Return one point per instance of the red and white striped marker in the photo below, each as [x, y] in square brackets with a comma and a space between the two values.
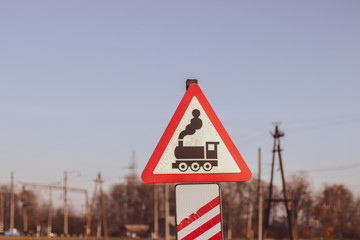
[198, 211]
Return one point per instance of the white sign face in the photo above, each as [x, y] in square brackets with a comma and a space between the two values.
[198, 211]
[196, 147]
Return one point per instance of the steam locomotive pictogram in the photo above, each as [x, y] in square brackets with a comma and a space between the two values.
[195, 157]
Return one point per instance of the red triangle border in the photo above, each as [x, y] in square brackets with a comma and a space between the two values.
[149, 177]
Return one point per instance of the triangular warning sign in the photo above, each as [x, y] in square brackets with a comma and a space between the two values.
[195, 147]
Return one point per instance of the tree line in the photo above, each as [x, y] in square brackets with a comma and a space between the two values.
[333, 212]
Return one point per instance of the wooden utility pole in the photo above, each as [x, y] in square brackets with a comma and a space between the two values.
[25, 205]
[250, 214]
[99, 182]
[98, 229]
[287, 202]
[12, 203]
[49, 228]
[1, 212]
[103, 213]
[50, 188]
[156, 212]
[260, 198]
[89, 215]
[66, 232]
[167, 229]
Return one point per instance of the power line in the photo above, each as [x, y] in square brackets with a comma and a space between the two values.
[328, 124]
[322, 119]
[339, 168]
[318, 123]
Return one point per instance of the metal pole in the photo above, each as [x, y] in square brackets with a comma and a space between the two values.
[65, 205]
[167, 230]
[156, 212]
[190, 81]
[12, 204]
[260, 192]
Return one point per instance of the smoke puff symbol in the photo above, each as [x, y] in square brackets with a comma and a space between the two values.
[195, 124]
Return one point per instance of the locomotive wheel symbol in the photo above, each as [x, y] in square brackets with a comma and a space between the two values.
[195, 166]
[183, 167]
[207, 166]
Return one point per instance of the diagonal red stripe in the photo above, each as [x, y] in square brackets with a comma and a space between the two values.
[216, 236]
[204, 209]
[203, 228]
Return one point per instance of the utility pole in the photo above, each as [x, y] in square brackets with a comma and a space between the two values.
[65, 205]
[99, 182]
[167, 230]
[98, 229]
[89, 216]
[250, 213]
[2, 212]
[156, 212]
[49, 229]
[287, 202]
[25, 205]
[260, 195]
[102, 207]
[50, 188]
[12, 203]
[86, 202]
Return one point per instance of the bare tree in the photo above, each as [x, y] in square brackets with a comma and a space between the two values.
[336, 211]
[302, 203]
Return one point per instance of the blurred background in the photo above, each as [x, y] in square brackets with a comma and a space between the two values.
[88, 87]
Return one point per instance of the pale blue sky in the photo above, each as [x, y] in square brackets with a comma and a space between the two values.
[84, 83]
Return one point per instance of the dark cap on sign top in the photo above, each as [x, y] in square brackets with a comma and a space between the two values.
[190, 81]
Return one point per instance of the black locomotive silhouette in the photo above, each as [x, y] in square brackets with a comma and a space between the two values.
[195, 157]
